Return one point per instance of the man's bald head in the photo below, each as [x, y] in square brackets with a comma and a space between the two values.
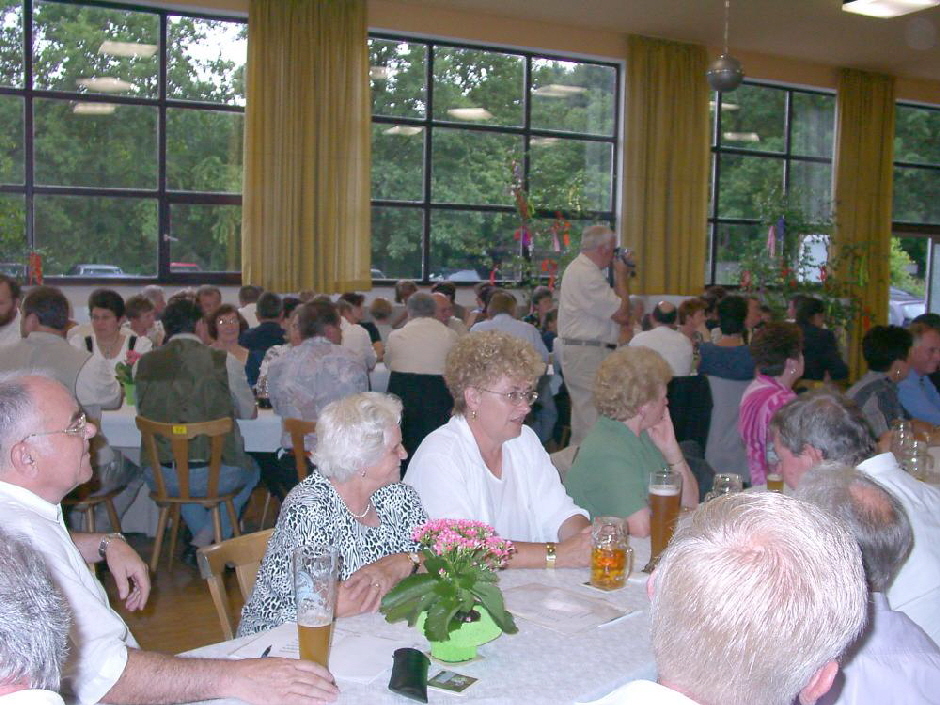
[665, 314]
[445, 307]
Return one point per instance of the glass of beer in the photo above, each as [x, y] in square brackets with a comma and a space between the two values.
[611, 555]
[725, 483]
[665, 492]
[316, 583]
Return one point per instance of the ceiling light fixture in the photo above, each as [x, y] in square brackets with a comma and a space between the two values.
[741, 136]
[887, 8]
[724, 105]
[131, 50]
[557, 90]
[725, 74]
[381, 73]
[93, 108]
[470, 113]
[105, 84]
[406, 130]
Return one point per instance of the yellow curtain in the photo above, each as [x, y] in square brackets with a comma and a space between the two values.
[305, 221]
[666, 155]
[862, 195]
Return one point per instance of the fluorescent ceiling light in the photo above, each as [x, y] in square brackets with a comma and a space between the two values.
[741, 136]
[381, 73]
[470, 113]
[543, 140]
[557, 90]
[724, 105]
[887, 8]
[94, 108]
[105, 84]
[128, 49]
[406, 130]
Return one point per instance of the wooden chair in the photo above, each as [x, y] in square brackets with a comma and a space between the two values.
[245, 553]
[298, 429]
[88, 504]
[179, 435]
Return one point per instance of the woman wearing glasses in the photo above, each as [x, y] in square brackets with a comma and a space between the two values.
[485, 464]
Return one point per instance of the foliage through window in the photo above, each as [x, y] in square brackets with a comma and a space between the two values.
[122, 145]
[449, 124]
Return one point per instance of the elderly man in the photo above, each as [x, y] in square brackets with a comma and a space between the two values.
[44, 443]
[674, 347]
[267, 332]
[34, 626]
[827, 426]
[209, 298]
[422, 344]
[445, 313]
[501, 315]
[893, 660]
[918, 395]
[9, 311]
[590, 317]
[753, 602]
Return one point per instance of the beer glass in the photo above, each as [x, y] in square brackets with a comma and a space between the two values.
[316, 583]
[725, 483]
[611, 555]
[902, 437]
[665, 491]
[918, 461]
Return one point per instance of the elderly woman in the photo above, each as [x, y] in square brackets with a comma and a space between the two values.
[486, 464]
[778, 359]
[353, 501]
[632, 437]
[886, 349]
[224, 326]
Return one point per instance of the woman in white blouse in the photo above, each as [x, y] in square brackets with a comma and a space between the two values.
[108, 341]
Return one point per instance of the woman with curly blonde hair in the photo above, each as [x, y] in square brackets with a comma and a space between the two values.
[632, 437]
[486, 464]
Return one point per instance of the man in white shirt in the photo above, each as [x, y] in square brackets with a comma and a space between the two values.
[893, 660]
[825, 425]
[674, 347]
[753, 601]
[248, 296]
[421, 346]
[445, 313]
[590, 317]
[9, 311]
[34, 626]
[44, 454]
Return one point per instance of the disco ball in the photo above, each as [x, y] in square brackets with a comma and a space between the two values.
[724, 74]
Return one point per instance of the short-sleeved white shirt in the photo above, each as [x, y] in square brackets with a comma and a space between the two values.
[98, 638]
[528, 503]
[586, 303]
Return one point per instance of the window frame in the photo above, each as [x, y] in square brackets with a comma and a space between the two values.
[162, 195]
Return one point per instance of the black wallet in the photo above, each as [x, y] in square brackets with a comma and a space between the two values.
[410, 674]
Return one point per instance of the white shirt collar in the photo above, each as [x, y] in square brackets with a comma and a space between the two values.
[32, 501]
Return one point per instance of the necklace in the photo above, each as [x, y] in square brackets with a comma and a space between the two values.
[364, 511]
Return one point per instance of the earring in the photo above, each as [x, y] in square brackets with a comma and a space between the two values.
[362, 474]
[473, 414]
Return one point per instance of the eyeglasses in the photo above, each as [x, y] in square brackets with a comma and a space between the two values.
[227, 322]
[515, 398]
[76, 428]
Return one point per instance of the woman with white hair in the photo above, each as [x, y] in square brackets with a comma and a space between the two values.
[352, 500]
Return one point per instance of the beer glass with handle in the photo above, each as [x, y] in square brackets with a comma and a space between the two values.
[316, 583]
[665, 494]
[611, 556]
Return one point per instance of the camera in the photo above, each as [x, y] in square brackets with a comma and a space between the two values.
[625, 255]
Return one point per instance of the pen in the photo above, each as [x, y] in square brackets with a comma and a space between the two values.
[264, 654]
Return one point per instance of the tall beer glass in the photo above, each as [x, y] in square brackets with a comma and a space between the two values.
[665, 492]
[316, 581]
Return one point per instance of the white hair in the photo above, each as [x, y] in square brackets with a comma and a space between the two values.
[421, 305]
[354, 432]
[17, 413]
[34, 618]
[755, 593]
[153, 292]
[594, 236]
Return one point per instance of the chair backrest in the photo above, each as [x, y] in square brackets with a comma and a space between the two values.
[298, 430]
[426, 403]
[724, 449]
[564, 459]
[245, 553]
[179, 435]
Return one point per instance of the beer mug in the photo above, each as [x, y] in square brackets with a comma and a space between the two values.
[725, 483]
[665, 492]
[902, 436]
[316, 583]
[918, 462]
[611, 555]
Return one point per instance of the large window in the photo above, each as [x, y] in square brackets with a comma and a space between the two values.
[121, 153]
[767, 142]
[452, 124]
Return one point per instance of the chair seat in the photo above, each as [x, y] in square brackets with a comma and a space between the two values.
[211, 501]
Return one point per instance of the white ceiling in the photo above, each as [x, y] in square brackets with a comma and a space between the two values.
[809, 30]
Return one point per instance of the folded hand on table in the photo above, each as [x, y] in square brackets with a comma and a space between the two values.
[363, 590]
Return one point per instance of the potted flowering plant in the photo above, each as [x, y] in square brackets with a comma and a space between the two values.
[124, 372]
[457, 599]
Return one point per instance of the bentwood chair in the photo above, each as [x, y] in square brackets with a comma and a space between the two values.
[298, 430]
[243, 552]
[179, 435]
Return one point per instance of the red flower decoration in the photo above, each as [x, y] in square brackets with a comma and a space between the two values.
[132, 357]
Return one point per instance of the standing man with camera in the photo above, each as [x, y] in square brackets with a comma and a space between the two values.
[590, 317]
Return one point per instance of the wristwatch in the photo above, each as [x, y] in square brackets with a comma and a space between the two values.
[550, 555]
[415, 559]
[106, 541]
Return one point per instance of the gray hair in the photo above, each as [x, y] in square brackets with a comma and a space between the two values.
[594, 236]
[153, 292]
[768, 586]
[827, 421]
[873, 514]
[34, 618]
[421, 305]
[17, 413]
[354, 432]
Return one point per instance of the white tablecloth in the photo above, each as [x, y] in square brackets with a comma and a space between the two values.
[537, 665]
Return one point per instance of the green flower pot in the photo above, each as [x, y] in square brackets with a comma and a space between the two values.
[463, 642]
[130, 394]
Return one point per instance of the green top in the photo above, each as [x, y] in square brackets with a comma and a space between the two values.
[610, 475]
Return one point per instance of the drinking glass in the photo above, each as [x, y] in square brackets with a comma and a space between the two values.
[726, 483]
[665, 492]
[902, 436]
[918, 462]
[316, 583]
[611, 555]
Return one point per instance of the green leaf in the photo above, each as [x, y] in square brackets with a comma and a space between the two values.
[397, 601]
[440, 614]
[491, 597]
